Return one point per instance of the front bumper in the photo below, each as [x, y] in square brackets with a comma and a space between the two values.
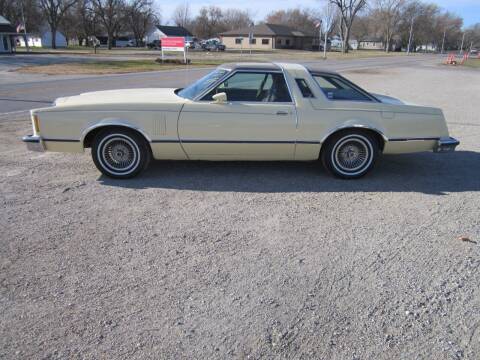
[34, 143]
[446, 145]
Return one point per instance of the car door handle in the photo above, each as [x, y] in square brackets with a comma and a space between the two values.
[282, 112]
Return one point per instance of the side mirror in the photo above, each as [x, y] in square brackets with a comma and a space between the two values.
[220, 98]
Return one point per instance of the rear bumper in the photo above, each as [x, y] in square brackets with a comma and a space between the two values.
[446, 145]
[34, 143]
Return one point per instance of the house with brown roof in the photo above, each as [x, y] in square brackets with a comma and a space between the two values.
[267, 37]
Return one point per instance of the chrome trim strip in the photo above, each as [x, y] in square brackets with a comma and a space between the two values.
[195, 141]
[61, 140]
[354, 127]
[112, 123]
[414, 139]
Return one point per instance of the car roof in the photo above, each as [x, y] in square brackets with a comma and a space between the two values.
[251, 66]
[274, 67]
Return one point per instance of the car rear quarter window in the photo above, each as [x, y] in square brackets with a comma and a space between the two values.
[304, 88]
[336, 88]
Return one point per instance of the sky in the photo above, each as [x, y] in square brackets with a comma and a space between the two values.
[469, 10]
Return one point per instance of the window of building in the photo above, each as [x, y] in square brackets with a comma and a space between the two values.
[253, 41]
[238, 41]
[253, 87]
[279, 41]
[265, 41]
[287, 41]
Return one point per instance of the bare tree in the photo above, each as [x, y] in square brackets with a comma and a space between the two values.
[348, 10]
[182, 17]
[209, 22]
[299, 19]
[140, 16]
[54, 12]
[110, 13]
[388, 14]
[17, 11]
[236, 19]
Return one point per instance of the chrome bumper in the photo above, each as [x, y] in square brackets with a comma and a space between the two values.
[446, 145]
[33, 142]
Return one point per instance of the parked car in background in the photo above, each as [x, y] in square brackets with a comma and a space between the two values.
[213, 45]
[155, 44]
[249, 111]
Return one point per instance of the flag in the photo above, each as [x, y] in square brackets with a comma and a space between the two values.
[20, 27]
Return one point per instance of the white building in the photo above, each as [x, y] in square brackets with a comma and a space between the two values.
[44, 39]
[161, 31]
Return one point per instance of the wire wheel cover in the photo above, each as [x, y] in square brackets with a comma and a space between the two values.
[352, 154]
[119, 154]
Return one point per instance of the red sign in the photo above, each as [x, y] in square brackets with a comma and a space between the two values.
[173, 43]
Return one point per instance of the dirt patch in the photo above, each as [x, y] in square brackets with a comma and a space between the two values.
[206, 260]
[110, 67]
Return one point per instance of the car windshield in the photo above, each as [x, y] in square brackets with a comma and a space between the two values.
[199, 86]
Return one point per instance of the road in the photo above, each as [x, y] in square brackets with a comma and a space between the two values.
[17, 94]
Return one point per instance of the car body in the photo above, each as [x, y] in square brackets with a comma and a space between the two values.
[241, 111]
[155, 44]
[213, 45]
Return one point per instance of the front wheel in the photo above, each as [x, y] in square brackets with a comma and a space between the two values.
[350, 154]
[120, 153]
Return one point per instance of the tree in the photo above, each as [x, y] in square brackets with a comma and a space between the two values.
[16, 11]
[54, 12]
[140, 16]
[388, 14]
[110, 13]
[236, 19]
[299, 19]
[87, 21]
[472, 36]
[182, 17]
[209, 22]
[348, 9]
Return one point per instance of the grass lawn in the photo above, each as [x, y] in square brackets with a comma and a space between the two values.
[474, 63]
[110, 67]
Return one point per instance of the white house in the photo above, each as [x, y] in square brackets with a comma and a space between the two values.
[161, 31]
[337, 43]
[44, 39]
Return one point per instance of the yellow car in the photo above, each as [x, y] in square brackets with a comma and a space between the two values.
[241, 111]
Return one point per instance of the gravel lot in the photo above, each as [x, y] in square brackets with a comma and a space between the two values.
[248, 260]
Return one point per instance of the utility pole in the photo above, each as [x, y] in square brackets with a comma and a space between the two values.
[325, 44]
[320, 35]
[443, 40]
[410, 37]
[461, 47]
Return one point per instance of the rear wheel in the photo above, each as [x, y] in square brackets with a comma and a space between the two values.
[350, 154]
[120, 153]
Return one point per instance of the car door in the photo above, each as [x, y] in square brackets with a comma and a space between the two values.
[257, 122]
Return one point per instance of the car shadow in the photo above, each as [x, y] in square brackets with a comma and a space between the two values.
[427, 173]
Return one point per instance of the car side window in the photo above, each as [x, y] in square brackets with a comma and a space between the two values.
[253, 87]
[304, 88]
[335, 88]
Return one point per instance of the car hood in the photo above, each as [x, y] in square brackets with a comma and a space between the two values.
[122, 97]
[389, 100]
